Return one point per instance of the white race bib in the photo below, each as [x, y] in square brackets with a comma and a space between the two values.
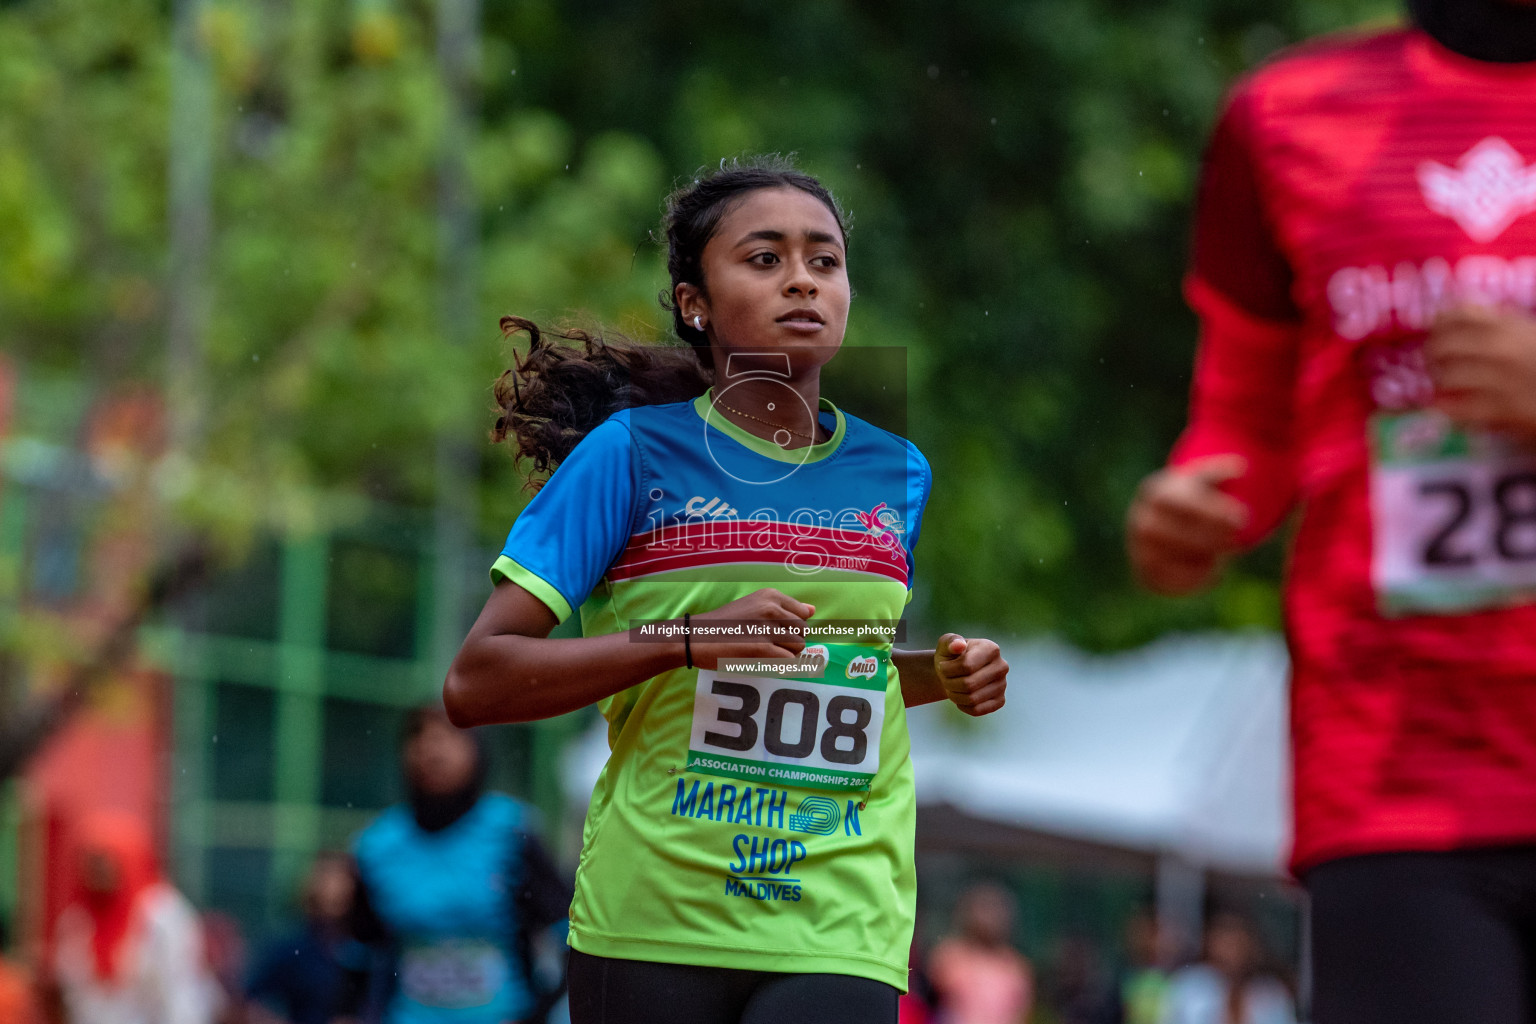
[1453, 515]
[820, 730]
[453, 974]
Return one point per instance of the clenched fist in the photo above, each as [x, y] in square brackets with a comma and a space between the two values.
[973, 673]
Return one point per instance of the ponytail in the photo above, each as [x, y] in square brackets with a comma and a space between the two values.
[555, 394]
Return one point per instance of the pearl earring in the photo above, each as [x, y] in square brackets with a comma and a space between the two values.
[698, 323]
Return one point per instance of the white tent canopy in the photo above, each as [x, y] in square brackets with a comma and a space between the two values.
[1178, 750]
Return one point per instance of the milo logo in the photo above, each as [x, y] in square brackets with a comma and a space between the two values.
[817, 651]
[863, 668]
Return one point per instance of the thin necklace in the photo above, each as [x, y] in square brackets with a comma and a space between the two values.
[788, 430]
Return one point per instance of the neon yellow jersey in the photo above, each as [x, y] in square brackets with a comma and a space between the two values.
[746, 819]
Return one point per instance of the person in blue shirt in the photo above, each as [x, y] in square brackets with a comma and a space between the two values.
[456, 886]
[318, 974]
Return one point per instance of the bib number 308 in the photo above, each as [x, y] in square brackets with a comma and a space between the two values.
[799, 732]
[847, 723]
[1455, 531]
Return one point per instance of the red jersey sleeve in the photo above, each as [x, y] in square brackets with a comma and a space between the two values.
[1246, 360]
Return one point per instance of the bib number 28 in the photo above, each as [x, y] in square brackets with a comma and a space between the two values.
[1503, 529]
[1455, 527]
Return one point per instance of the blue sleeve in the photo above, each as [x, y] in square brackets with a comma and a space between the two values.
[919, 486]
[578, 523]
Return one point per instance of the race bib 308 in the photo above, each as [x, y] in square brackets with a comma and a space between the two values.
[818, 729]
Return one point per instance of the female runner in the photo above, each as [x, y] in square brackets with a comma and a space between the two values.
[748, 852]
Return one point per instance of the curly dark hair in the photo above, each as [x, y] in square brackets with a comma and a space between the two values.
[555, 394]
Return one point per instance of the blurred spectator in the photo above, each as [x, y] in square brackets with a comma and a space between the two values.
[1144, 987]
[1079, 992]
[1228, 987]
[18, 1003]
[458, 888]
[130, 948]
[978, 975]
[317, 975]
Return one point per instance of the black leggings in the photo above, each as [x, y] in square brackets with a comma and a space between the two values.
[1425, 938]
[608, 991]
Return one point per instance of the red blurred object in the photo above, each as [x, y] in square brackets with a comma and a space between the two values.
[1354, 189]
[18, 1005]
[912, 1010]
[106, 758]
[109, 755]
[123, 841]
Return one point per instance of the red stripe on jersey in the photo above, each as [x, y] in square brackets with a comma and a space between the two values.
[737, 542]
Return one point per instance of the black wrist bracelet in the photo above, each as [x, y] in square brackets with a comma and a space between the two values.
[687, 646]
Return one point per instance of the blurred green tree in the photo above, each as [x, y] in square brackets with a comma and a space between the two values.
[1019, 175]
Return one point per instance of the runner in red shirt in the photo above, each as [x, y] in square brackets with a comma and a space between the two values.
[1365, 274]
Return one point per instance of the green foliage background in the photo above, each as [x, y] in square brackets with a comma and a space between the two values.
[1019, 175]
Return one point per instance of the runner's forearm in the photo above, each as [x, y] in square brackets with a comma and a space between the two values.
[920, 683]
[506, 678]
[1240, 404]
